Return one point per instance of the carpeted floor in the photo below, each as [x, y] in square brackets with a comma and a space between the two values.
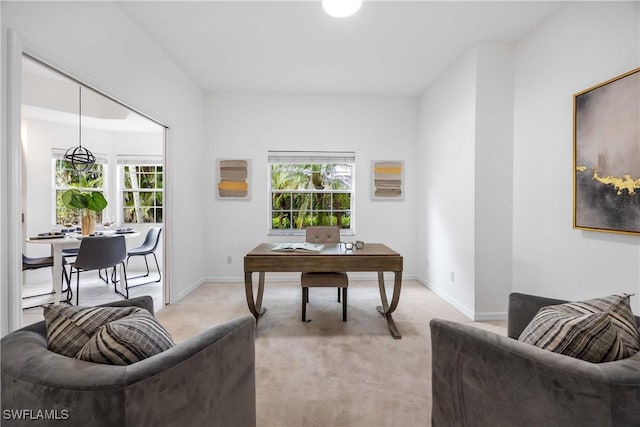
[326, 372]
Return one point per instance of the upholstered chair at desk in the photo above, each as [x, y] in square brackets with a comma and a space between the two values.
[324, 234]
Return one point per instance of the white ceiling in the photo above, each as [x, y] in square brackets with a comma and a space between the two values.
[387, 48]
[51, 96]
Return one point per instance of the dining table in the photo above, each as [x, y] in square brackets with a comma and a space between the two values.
[61, 241]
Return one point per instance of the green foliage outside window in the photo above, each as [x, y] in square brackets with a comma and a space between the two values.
[142, 197]
[310, 194]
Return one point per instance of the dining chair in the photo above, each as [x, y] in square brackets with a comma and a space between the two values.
[324, 234]
[35, 263]
[97, 253]
[148, 247]
[73, 252]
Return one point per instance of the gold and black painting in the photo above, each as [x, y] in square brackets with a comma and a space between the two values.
[606, 164]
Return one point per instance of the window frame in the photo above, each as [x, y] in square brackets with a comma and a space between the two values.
[123, 161]
[313, 158]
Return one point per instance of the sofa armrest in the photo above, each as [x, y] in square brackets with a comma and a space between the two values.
[206, 380]
[144, 301]
[522, 309]
[481, 378]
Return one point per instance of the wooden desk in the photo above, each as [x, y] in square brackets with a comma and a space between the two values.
[373, 257]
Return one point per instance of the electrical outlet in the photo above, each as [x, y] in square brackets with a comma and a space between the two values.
[452, 276]
[229, 259]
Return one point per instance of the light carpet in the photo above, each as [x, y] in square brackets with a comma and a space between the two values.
[326, 372]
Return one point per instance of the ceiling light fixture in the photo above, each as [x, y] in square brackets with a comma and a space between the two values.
[80, 158]
[341, 8]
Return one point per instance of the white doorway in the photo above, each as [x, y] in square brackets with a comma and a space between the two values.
[130, 154]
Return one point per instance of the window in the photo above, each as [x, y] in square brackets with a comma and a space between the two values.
[66, 177]
[310, 188]
[142, 195]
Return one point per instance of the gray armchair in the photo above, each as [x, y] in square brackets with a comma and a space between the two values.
[207, 380]
[480, 378]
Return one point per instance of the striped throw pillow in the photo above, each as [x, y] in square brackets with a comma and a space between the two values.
[69, 328]
[113, 335]
[597, 330]
[127, 340]
[619, 309]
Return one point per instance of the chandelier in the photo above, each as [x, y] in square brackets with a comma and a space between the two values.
[80, 158]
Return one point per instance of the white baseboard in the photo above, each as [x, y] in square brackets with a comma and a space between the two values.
[469, 313]
[186, 291]
[232, 279]
[450, 300]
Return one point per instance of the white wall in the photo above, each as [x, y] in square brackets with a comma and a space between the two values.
[447, 190]
[466, 146]
[582, 45]
[493, 180]
[97, 43]
[512, 105]
[247, 126]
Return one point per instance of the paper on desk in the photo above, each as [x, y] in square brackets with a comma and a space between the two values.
[292, 247]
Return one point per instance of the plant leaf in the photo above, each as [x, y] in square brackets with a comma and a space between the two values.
[74, 199]
[96, 201]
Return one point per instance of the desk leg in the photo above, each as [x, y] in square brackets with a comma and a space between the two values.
[387, 309]
[254, 307]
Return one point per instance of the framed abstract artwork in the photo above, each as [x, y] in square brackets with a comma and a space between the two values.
[232, 176]
[387, 180]
[606, 156]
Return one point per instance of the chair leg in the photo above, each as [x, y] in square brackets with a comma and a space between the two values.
[305, 299]
[344, 304]
[126, 283]
[148, 270]
[67, 280]
[124, 279]
[157, 266]
[146, 264]
[78, 287]
[338, 294]
[105, 279]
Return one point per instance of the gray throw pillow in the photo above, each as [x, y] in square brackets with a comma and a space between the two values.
[597, 330]
[127, 340]
[111, 335]
[69, 328]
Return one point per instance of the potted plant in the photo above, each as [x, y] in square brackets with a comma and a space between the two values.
[89, 201]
